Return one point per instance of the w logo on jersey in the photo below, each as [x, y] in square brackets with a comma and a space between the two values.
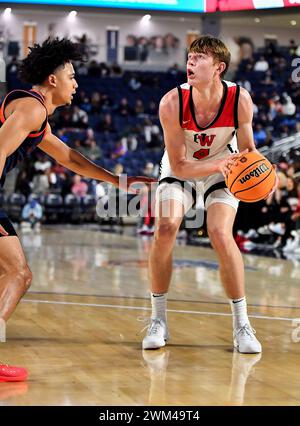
[204, 140]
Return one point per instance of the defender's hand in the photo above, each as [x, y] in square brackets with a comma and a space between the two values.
[126, 183]
[2, 231]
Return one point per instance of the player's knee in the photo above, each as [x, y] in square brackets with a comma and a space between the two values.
[166, 232]
[24, 278]
[219, 237]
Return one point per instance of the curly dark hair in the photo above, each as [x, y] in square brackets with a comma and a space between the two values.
[44, 59]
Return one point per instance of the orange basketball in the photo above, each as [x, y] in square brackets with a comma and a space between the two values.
[252, 178]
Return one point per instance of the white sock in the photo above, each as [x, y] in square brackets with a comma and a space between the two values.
[239, 312]
[159, 306]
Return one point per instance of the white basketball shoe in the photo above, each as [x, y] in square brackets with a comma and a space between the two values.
[244, 340]
[157, 334]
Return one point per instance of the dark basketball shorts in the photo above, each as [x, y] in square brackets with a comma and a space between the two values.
[7, 225]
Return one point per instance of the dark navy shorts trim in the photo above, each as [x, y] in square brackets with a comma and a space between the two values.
[8, 226]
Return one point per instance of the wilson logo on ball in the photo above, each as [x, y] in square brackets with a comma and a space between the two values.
[263, 168]
[252, 178]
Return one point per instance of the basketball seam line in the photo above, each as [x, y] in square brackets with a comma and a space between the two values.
[246, 189]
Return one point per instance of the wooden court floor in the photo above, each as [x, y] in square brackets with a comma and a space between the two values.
[78, 329]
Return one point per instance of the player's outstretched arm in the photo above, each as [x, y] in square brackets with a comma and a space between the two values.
[78, 163]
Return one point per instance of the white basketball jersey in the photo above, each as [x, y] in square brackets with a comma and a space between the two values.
[212, 141]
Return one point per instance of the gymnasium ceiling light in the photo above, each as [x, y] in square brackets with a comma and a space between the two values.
[7, 12]
[146, 18]
[72, 15]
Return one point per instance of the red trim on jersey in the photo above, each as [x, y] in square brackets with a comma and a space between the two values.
[225, 119]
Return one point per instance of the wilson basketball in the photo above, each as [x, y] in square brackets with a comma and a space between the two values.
[252, 178]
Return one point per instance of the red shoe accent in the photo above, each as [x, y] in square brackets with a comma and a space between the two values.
[9, 373]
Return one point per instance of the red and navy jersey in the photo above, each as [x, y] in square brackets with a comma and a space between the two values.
[213, 140]
[31, 141]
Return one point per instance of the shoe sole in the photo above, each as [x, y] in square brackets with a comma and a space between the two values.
[154, 347]
[237, 348]
[13, 379]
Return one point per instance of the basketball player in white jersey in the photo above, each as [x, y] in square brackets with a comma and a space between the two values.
[203, 120]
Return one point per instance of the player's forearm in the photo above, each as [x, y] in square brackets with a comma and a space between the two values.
[187, 169]
[84, 167]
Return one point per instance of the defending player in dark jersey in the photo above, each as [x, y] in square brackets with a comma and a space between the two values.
[24, 127]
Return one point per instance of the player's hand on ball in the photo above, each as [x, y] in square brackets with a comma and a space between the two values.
[275, 184]
[226, 163]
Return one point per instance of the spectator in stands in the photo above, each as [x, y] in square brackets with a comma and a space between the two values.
[94, 69]
[261, 65]
[106, 103]
[104, 69]
[58, 179]
[12, 66]
[95, 102]
[174, 70]
[79, 118]
[23, 184]
[288, 107]
[78, 145]
[280, 69]
[268, 81]
[150, 170]
[291, 188]
[79, 187]
[84, 42]
[42, 164]
[107, 125]
[139, 108]
[275, 107]
[92, 150]
[284, 131]
[40, 182]
[275, 212]
[130, 40]
[124, 108]
[152, 109]
[152, 134]
[158, 44]
[116, 70]
[134, 83]
[260, 135]
[64, 119]
[243, 82]
[82, 69]
[32, 214]
[61, 134]
[246, 47]
[290, 172]
[171, 42]
[119, 150]
[90, 134]
[292, 48]
[271, 48]
[142, 49]
[129, 142]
